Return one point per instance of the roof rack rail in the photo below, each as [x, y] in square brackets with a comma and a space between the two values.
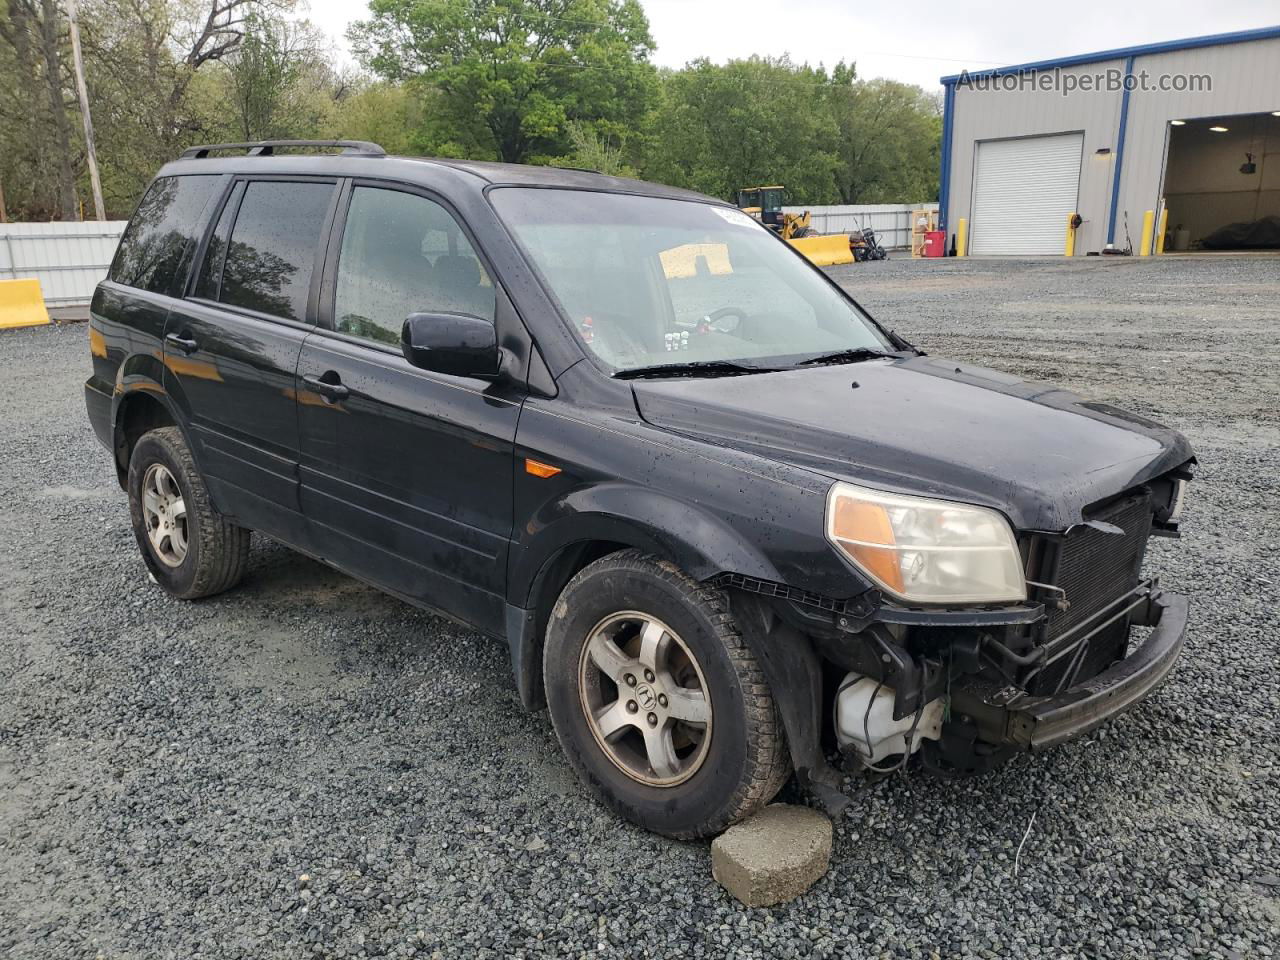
[265, 148]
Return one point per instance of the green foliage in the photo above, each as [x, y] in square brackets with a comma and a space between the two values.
[509, 77]
[384, 113]
[261, 75]
[568, 82]
[593, 151]
[826, 138]
[748, 123]
[888, 144]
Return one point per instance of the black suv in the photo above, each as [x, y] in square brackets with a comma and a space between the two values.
[727, 523]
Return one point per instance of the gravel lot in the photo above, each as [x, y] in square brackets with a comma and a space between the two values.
[169, 771]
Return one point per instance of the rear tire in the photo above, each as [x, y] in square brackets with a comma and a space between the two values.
[686, 741]
[190, 548]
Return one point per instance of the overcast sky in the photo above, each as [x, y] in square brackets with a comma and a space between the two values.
[916, 41]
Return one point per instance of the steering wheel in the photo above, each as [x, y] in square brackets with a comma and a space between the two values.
[723, 320]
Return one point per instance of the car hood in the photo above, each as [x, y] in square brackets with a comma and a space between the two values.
[927, 426]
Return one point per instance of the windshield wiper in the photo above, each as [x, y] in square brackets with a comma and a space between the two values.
[846, 356]
[693, 368]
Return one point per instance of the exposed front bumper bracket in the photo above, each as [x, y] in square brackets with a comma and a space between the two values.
[1037, 723]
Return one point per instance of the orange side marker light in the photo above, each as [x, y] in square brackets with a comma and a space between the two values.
[540, 469]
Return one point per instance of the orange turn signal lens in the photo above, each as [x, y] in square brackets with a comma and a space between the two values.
[540, 469]
[865, 533]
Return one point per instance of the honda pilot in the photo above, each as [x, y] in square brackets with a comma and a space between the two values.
[731, 527]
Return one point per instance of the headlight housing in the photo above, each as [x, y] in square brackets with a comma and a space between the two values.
[922, 550]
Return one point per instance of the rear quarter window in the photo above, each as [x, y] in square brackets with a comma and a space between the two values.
[156, 249]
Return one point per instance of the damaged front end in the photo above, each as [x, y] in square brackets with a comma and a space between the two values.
[965, 687]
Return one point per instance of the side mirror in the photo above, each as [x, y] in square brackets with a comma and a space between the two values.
[453, 343]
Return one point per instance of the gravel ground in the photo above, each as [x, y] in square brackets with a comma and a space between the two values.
[306, 767]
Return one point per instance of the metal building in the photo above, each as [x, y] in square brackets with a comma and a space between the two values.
[1180, 138]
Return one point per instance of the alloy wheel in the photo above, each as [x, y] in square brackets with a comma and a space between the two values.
[645, 698]
[164, 510]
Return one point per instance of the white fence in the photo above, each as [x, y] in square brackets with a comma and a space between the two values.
[890, 221]
[68, 258]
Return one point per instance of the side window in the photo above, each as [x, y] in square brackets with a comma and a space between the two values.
[156, 249]
[273, 244]
[216, 251]
[404, 254]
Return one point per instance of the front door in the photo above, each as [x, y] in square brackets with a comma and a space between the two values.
[231, 348]
[406, 474]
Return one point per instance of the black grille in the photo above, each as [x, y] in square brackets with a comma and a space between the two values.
[1094, 568]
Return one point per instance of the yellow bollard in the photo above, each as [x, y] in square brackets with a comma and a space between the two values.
[1164, 225]
[1148, 229]
[962, 236]
[1070, 249]
[21, 304]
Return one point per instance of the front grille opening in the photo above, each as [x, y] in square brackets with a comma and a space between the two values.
[1094, 568]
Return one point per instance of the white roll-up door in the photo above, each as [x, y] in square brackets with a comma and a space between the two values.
[1023, 192]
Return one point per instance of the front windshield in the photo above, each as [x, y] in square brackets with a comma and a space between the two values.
[648, 281]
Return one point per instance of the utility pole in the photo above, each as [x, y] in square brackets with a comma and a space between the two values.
[91, 152]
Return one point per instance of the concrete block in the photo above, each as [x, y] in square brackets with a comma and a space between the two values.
[774, 856]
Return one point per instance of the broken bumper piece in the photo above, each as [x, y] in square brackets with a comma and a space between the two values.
[1041, 722]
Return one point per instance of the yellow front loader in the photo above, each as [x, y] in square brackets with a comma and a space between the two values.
[765, 205]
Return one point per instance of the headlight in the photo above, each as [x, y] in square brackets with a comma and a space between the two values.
[926, 551]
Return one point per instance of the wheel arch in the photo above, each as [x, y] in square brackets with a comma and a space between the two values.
[138, 410]
[588, 524]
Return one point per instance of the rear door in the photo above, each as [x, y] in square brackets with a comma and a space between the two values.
[149, 270]
[406, 474]
[1023, 192]
[232, 346]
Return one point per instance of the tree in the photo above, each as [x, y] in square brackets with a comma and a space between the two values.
[510, 76]
[828, 138]
[268, 76]
[593, 151]
[554, 81]
[385, 113]
[141, 60]
[37, 133]
[747, 123]
[889, 140]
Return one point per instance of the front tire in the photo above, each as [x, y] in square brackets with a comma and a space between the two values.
[657, 701]
[190, 548]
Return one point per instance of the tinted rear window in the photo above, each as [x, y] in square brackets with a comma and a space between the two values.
[156, 249]
[215, 252]
[273, 247]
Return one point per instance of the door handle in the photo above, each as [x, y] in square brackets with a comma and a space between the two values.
[182, 341]
[331, 388]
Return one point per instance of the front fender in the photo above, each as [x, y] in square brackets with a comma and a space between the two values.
[620, 512]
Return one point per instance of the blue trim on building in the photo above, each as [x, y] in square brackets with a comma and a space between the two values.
[1124, 123]
[944, 181]
[1191, 43]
